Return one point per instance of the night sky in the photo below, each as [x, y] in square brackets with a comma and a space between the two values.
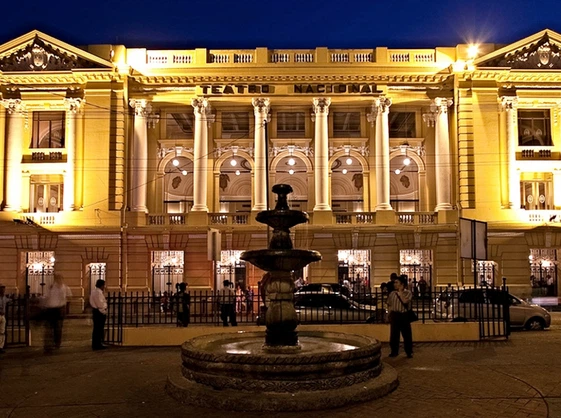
[226, 24]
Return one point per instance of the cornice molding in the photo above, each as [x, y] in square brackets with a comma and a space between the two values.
[395, 78]
[29, 80]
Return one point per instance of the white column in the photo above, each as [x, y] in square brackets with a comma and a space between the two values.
[72, 106]
[509, 105]
[556, 189]
[261, 111]
[139, 160]
[200, 165]
[15, 110]
[382, 139]
[321, 153]
[442, 150]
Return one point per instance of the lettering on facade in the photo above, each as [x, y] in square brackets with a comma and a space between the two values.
[335, 88]
[238, 89]
[297, 88]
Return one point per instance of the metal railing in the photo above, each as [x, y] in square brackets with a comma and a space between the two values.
[332, 304]
[17, 320]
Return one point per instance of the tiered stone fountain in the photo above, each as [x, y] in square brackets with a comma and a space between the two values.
[280, 369]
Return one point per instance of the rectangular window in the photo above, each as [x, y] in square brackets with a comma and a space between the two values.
[402, 125]
[534, 128]
[537, 194]
[291, 124]
[346, 124]
[48, 129]
[235, 124]
[180, 125]
[45, 197]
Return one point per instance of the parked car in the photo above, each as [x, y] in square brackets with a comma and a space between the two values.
[331, 307]
[365, 297]
[470, 304]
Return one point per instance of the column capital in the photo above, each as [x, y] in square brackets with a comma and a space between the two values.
[440, 105]
[321, 105]
[429, 119]
[13, 106]
[509, 102]
[382, 104]
[142, 107]
[73, 104]
[202, 108]
[261, 105]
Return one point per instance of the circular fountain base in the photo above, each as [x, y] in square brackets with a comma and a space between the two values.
[235, 372]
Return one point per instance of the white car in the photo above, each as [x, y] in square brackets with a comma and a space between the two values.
[471, 304]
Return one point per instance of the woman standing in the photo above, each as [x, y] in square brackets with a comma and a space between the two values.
[398, 305]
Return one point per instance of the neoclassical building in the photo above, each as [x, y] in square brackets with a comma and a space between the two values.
[147, 167]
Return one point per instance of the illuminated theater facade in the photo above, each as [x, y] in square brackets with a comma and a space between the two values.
[147, 167]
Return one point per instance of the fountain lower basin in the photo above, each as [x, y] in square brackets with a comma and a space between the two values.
[235, 372]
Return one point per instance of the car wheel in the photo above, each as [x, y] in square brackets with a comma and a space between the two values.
[535, 324]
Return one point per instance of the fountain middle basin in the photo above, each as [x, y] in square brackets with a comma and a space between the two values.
[232, 372]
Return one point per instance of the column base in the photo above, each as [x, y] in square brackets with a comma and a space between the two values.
[383, 206]
[443, 206]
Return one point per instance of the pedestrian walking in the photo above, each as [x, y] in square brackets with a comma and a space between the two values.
[3, 311]
[249, 294]
[99, 311]
[398, 305]
[227, 310]
[55, 305]
[183, 305]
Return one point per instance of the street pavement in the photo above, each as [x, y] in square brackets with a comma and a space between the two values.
[520, 377]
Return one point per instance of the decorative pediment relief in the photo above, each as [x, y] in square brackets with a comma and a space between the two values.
[545, 54]
[39, 55]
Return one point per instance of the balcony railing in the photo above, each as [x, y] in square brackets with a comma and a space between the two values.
[347, 218]
[416, 218]
[355, 218]
[229, 218]
[167, 219]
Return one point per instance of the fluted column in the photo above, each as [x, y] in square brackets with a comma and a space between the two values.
[15, 110]
[442, 158]
[382, 138]
[261, 111]
[321, 153]
[509, 105]
[139, 160]
[72, 107]
[200, 165]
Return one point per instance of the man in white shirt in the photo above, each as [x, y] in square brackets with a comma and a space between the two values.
[56, 304]
[3, 310]
[99, 310]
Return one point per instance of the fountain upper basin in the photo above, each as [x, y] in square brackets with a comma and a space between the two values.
[280, 260]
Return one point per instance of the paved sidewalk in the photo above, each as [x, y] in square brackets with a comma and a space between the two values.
[516, 378]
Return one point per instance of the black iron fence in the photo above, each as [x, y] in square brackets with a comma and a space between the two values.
[486, 305]
[17, 320]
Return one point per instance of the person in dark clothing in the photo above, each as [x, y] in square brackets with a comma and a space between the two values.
[99, 310]
[227, 302]
[398, 305]
[183, 304]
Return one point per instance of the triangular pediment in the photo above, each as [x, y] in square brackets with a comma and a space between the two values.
[36, 51]
[541, 51]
